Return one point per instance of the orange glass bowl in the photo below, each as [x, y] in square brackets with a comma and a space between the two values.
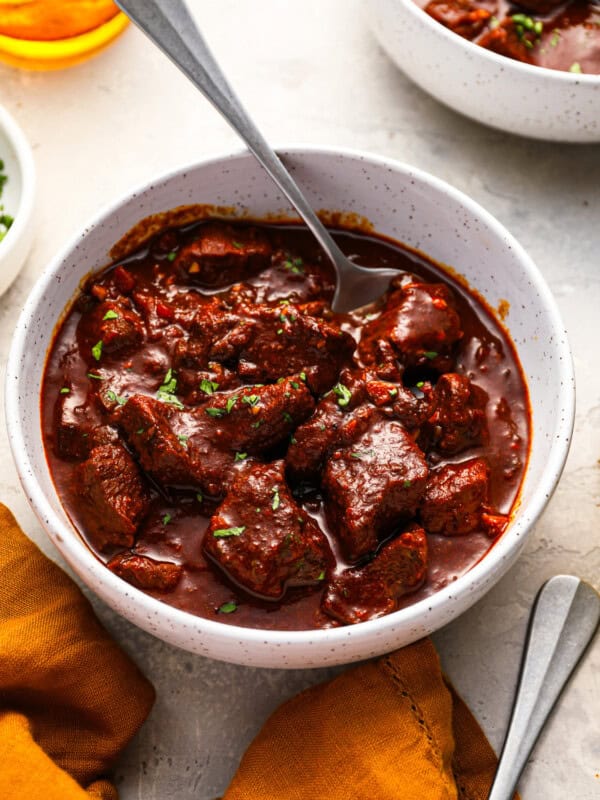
[52, 34]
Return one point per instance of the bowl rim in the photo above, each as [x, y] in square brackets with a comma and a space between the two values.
[530, 70]
[105, 584]
[24, 210]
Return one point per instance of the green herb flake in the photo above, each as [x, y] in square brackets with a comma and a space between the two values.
[94, 377]
[555, 37]
[240, 456]
[183, 440]
[250, 399]
[284, 302]
[199, 497]
[139, 431]
[110, 314]
[228, 608]
[171, 257]
[215, 412]
[166, 519]
[343, 394]
[230, 403]
[293, 440]
[494, 22]
[97, 350]
[295, 385]
[321, 576]
[420, 384]
[276, 501]
[65, 390]
[407, 484]
[237, 245]
[576, 68]
[279, 331]
[303, 376]
[169, 384]
[115, 398]
[287, 417]
[430, 354]
[393, 392]
[256, 424]
[208, 387]
[222, 533]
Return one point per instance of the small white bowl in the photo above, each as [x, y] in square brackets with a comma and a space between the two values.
[403, 203]
[17, 198]
[490, 88]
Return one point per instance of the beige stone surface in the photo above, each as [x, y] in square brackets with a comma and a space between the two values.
[311, 72]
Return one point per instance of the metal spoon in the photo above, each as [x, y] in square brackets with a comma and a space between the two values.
[170, 26]
[563, 621]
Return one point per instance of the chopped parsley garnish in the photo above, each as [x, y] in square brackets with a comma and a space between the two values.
[97, 350]
[65, 390]
[303, 376]
[110, 314]
[284, 302]
[237, 245]
[295, 266]
[5, 219]
[95, 377]
[406, 484]
[494, 22]
[166, 519]
[240, 456]
[199, 497]
[321, 576]
[287, 417]
[115, 398]
[276, 502]
[221, 533]
[279, 331]
[171, 256]
[230, 403]
[215, 412]
[343, 394]
[358, 454]
[139, 431]
[430, 354]
[524, 25]
[576, 68]
[228, 608]
[393, 392]
[420, 384]
[183, 440]
[293, 440]
[208, 387]
[250, 399]
[166, 392]
[555, 37]
[256, 424]
[295, 385]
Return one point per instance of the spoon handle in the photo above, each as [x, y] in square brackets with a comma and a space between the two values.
[563, 621]
[169, 25]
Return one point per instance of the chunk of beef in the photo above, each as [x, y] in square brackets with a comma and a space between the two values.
[411, 407]
[455, 497]
[257, 418]
[373, 484]
[459, 421]
[197, 447]
[113, 324]
[262, 539]
[283, 341]
[419, 322]
[329, 427]
[150, 426]
[374, 590]
[510, 40]
[222, 255]
[145, 572]
[464, 17]
[77, 432]
[113, 497]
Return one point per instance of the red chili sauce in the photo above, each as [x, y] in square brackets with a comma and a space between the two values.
[548, 33]
[225, 442]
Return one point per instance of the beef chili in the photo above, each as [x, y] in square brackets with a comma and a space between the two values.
[548, 33]
[225, 442]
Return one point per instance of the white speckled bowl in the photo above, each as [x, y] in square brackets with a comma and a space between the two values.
[507, 94]
[403, 203]
[17, 198]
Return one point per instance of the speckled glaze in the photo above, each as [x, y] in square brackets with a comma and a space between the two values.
[17, 198]
[506, 94]
[403, 203]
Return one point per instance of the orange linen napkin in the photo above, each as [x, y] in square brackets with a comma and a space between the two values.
[70, 699]
[391, 729]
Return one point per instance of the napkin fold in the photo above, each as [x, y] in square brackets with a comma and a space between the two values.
[70, 700]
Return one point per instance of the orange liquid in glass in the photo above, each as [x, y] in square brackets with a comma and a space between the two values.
[51, 34]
